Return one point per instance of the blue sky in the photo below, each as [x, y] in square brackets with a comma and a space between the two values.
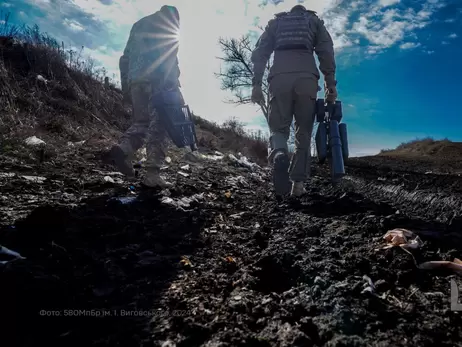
[398, 61]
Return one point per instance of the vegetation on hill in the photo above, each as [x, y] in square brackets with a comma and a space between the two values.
[427, 147]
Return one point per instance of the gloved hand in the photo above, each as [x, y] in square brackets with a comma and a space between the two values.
[257, 94]
[330, 93]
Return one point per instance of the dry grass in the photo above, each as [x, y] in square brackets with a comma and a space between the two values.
[231, 136]
[56, 94]
[427, 148]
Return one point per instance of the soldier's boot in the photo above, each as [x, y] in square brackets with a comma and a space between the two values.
[122, 160]
[281, 180]
[154, 180]
[298, 189]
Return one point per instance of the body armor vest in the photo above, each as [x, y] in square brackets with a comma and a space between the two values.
[294, 31]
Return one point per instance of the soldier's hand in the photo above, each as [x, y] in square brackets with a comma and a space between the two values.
[257, 95]
[330, 94]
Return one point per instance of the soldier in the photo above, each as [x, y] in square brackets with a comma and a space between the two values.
[148, 66]
[293, 86]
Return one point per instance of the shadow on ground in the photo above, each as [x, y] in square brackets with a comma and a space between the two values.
[107, 257]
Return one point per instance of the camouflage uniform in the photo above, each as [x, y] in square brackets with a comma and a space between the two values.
[149, 65]
[293, 80]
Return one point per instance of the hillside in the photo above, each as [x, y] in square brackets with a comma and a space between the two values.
[91, 258]
[428, 148]
[421, 155]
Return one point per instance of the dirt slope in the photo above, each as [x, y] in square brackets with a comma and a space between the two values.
[228, 270]
[215, 261]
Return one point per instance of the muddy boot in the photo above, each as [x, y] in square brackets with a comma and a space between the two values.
[281, 179]
[298, 189]
[154, 180]
[122, 162]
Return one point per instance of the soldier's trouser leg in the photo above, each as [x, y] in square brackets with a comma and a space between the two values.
[157, 142]
[280, 113]
[280, 117]
[133, 138]
[305, 90]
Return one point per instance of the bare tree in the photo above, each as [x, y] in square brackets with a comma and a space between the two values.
[237, 72]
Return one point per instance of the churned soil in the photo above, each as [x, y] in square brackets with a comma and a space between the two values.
[216, 261]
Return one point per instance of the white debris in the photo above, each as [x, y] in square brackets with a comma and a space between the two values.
[184, 174]
[243, 161]
[109, 179]
[7, 174]
[6, 251]
[185, 167]
[246, 162]
[127, 199]
[75, 144]
[257, 177]
[237, 180]
[168, 201]
[183, 202]
[168, 160]
[237, 215]
[41, 79]
[34, 141]
[36, 179]
[110, 173]
[211, 157]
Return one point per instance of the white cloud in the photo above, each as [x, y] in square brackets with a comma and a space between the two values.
[6, 4]
[386, 3]
[409, 45]
[453, 36]
[444, 42]
[450, 20]
[386, 27]
[73, 24]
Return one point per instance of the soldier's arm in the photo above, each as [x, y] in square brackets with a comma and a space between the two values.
[324, 48]
[262, 52]
[124, 61]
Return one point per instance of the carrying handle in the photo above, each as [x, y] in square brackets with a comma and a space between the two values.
[330, 108]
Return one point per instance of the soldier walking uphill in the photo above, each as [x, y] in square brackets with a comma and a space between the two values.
[293, 86]
[148, 66]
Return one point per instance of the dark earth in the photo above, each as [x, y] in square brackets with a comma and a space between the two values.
[108, 263]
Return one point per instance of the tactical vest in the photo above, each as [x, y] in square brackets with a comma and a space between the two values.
[294, 31]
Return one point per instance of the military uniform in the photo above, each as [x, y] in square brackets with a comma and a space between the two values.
[149, 65]
[293, 82]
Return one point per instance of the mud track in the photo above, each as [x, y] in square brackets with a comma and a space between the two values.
[110, 264]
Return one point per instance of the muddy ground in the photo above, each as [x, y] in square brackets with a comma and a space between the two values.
[108, 263]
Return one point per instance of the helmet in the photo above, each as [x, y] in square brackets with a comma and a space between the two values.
[298, 8]
[170, 11]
